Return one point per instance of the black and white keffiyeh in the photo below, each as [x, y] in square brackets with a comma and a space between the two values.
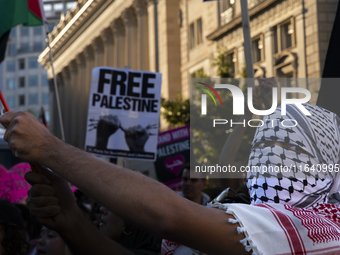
[297, 165]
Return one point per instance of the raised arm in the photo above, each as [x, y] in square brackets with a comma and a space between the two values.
[131, 196]
[52, 202]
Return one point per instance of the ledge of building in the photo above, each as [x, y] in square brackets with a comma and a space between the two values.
[75, 22]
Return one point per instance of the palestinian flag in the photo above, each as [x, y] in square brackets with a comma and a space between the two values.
[15, 12]
[36, 15]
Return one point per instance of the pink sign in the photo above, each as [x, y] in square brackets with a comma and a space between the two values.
[13, 185]
[174, 164]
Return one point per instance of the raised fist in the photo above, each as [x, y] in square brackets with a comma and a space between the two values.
[107, 126]
[137, 136]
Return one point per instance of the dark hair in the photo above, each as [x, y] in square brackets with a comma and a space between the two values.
[14, 242]
[33, 227]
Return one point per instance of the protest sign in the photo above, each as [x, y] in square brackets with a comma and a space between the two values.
[13, 185]
[123, 116]
[173, 153]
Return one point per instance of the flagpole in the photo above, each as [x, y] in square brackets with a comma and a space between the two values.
[55, 84]
[247, 43]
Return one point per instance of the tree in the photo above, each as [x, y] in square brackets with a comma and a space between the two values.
[176, 112]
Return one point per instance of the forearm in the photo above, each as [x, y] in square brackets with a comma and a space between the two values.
[131, 196]
[83, 238]
[122, 191]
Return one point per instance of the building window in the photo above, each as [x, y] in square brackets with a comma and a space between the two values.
[11, 101]
[21, 100]
[11, 84]
[51, 26]
[70, 5]
[33, 80]
[32, 63]
[12, 33]
[196, 34]
[11, 66]
[25, 47]
[226, 11]
[12, 49]
[47, 7]
[24, 31]
[37, 30]
[58, 7]
[199, 31]
[33, 99]
[21, 82]
[230, 61]
[192, 36]
[45, 98]
[225, 5]
[38, 46]
[258, 49]
[21, 63]
[284, 35]
[44, 80]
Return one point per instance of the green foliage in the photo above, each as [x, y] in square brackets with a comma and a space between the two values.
[201, 74]
[222, 64]
[176, 112]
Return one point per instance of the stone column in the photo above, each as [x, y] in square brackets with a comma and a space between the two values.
[98, 46]
[119, 38]
[143, 33]
[64, 101]
[89, 57]
[151, 35]
[72, 124]
[131, 39]
[107, 37]
[52, 125]
[81, 114]
[269, 51]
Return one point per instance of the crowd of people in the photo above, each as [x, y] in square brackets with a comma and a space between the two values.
[135, 214]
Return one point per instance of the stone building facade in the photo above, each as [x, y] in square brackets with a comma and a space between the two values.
[289, 38]
[120, 34]
[178, 38]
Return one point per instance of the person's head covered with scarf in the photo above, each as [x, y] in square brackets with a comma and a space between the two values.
[295, 158]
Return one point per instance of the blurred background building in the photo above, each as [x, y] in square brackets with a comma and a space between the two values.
[24, 81]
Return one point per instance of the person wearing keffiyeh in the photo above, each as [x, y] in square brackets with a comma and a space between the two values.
[307, 147]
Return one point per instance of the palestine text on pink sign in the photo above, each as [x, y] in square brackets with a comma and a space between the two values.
[173, 135]
[13, 185]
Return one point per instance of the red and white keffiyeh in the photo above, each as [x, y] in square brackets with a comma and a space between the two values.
[282, 229]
